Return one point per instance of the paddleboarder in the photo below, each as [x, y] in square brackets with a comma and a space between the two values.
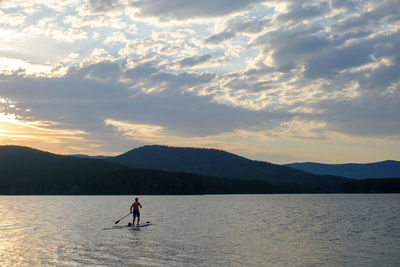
[135, 210]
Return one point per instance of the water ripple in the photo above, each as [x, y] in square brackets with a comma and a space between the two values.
[229, 230]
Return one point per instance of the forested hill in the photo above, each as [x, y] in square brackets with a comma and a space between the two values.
[218, 163]
[25, 170]
[383, 169]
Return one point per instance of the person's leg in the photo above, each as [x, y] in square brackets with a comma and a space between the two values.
[138, 219]
[134, 217]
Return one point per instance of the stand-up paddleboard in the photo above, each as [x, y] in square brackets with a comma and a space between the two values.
[140, 225]
[128, 226]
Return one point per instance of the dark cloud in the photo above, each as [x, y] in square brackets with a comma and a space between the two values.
[381, 77]
[193, 61]
[299, 10]
[150, 76]
[349, 43]
[293, 45]
[249, 83]
[187, 9]
[331, 62]
[235, 26]
[193, 115]
[142, 72]
[103, 71]
[345, 69]
[247, 25]
[386, 11]
[220, 37]
[373, 115]
[100, 6]
[343, 4]
[350, 23]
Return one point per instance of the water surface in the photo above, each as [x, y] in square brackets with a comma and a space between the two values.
[210, 230]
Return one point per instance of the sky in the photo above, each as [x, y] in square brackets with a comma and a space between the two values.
[278, 81]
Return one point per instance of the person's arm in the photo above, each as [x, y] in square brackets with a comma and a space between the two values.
[131, 208]
[140, 205]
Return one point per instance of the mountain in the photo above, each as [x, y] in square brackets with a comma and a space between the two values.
[25, 170]
[218, 163]
[383, 169]
[89, 157]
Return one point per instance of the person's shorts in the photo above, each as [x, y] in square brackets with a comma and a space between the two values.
[136, 213]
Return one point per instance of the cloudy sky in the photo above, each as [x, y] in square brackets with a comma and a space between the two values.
[280, 81]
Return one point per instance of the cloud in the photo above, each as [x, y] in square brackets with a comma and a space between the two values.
[97, 52]
[187, 9]
[12, 19]
[115, 37]
[151, 47]
[373, 116]
[95, 21]
[220, 37]
[142, 93]
[299, 11]
[9, 65]
[235, 26]
[335, 60]
[343, 4]
[327, 70]
[193, 61]
[166, 43]
[101, 6]
[142, 132]
[23, 129]
[148, 77]
[50, 28]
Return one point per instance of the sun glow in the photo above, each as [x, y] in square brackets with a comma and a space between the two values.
[11, 65]
[39, 134]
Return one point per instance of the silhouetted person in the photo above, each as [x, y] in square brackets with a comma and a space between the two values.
[135, 210]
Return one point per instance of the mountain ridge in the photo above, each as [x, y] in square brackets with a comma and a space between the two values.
[380, 169]
[354, 170]
[219, 163]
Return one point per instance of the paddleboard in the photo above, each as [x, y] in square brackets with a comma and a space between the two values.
[128, 226]
[140, 225]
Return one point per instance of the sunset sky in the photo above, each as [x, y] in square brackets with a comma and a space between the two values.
[280, 81]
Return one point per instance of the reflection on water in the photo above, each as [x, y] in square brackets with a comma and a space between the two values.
[227, 230]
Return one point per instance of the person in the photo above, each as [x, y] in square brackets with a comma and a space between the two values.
[135, 210]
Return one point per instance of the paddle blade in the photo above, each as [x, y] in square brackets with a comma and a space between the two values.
[122, 218]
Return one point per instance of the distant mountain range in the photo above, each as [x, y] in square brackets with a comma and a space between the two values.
[89, 157]
[383, 169]
[164, 170]
[141, 158]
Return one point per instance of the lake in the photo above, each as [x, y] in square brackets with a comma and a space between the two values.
[209, 230]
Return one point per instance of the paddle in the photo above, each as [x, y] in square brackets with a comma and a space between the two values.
[122, 218]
